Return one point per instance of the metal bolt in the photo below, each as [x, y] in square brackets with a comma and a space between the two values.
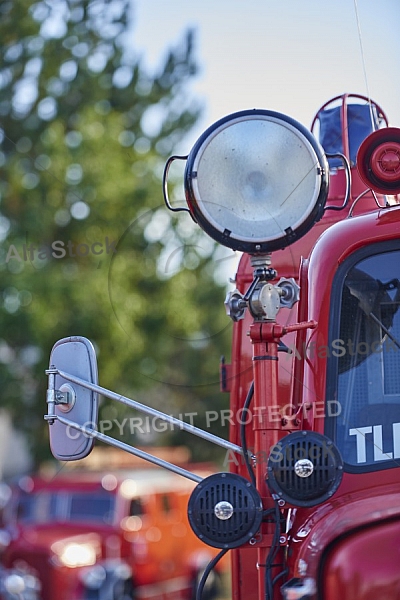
[253, 541]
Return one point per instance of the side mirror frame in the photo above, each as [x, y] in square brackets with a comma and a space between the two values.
[74, 355]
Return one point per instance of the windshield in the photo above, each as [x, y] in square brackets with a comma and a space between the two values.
[66, 505]
[366, 360]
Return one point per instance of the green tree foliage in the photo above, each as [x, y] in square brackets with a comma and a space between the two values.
[85, 132]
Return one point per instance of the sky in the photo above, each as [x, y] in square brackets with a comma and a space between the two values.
[290, 56]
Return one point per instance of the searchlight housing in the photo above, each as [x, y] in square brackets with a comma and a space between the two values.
[255, 181]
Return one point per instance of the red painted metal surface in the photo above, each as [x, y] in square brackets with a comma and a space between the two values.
[364, 564]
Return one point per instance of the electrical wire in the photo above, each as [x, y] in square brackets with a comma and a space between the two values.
[214, 561]
[246, 406]
[281, 574]
[207, 571]
[269, 563]
[274, 512]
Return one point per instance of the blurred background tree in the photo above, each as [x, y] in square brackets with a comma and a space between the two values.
[84, 135]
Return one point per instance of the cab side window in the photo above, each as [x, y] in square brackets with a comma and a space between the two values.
[166, 503]
[368, 367]
[136, 508]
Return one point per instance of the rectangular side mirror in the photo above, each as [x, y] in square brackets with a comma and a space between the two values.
[75, 356]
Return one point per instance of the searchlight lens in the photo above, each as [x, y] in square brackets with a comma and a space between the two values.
[256, 181]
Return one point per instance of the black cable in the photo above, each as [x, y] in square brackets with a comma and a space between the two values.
[281, 574]
[246, 405]
[269, 582]
[207, 571]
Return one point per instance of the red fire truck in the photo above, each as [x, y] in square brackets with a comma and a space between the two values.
[310, 507]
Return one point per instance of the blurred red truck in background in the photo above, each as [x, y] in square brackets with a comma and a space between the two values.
[107, 534]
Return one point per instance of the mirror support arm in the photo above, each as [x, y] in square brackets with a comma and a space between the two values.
[146, 409]
[127, 448]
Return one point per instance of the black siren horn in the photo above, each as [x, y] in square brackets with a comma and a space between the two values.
[225, 510]
[305, 469]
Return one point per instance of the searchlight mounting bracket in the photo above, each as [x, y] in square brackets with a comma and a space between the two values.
[263, 299]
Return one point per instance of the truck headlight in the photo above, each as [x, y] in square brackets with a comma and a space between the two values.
[73, 554]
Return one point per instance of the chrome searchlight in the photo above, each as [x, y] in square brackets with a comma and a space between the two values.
[255, 181]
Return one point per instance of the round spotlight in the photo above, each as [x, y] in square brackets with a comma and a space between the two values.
[305, 468]
[225, 510]
[256, 181]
